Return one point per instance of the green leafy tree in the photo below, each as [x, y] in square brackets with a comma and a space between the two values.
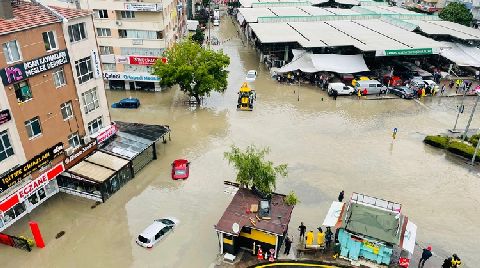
[291, 199]
[199, 36]
[456, 12]
[253, 170]
[195, 69]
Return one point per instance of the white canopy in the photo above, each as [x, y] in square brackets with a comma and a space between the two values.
[409, 237]
[301, 61]
[333, 214]
[461, 55]
[339, 63]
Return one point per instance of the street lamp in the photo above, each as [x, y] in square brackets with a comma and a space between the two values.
[460, 110]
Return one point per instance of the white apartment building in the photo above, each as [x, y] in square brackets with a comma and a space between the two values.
[131, 36]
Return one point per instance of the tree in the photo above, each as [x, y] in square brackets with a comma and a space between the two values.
[199, 36]
[291, 199]
[456, 12]
[253, 170]
[195, 69]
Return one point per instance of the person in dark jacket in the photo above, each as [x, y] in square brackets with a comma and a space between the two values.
[426, 254]
[328, 237]
[341, 196]
[288, 245]
[334, 94]
[302, 228]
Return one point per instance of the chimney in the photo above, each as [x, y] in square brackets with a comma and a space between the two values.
[6, 11]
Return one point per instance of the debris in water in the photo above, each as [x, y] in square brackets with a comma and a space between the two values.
[60, 234]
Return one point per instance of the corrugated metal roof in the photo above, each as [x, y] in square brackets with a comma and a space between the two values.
[107, 160]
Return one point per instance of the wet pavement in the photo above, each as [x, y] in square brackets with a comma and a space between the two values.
[328, 145]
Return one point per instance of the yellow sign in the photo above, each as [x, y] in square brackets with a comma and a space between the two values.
[372, 246]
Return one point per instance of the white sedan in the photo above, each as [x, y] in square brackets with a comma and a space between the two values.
[157, 231]
[251, 76]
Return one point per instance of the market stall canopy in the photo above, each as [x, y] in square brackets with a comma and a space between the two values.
[91, 171]
[334, 213]
[302, 62]
[342, 64]
[409, 237]
[440, 27]
[461, 55]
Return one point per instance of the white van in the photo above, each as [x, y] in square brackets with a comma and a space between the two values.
[372, 86]
[341, 89]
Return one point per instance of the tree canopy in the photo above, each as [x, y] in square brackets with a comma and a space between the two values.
[253, 170]
[456, 12]
[199, 36]
[195, 69]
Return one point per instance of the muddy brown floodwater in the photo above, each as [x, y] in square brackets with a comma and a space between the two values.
[328, 145]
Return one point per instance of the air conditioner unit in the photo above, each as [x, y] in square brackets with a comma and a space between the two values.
[69, 151]
[119, 23]
[86, 140]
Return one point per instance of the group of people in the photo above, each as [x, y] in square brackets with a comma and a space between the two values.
[460, 85]
[450, 262]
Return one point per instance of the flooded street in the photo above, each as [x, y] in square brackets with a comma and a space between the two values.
[328, 146]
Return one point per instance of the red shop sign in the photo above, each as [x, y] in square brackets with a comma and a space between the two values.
[142, 60]
[110, 131]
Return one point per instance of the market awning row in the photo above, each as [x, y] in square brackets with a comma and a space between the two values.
[439, 27]
[366, 35]
[462, 55]
[257, 3]
[252, 14]
[312, 63]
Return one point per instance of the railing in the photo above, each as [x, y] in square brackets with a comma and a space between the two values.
[366, 16]
[376, 202]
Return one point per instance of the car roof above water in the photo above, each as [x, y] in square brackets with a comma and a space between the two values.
[152, 229]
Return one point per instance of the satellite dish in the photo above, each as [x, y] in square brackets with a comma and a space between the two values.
[235, 227]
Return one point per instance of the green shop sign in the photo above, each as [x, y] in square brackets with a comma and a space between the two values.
[409, 52]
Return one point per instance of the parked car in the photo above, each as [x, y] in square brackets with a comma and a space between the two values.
[341, 89]
[251, 76]
[180, 169]
[403, 92]
[416, 84]
[157, 231]
[372, 86]
[392, 81]
[216, 22]
[361, 78]
[130, 103]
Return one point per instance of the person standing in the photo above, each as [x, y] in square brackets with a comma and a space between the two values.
[334, 94]
[359, 93]
[309, 238]
[426, 254]
[443, 90]
[288, 245]
[320, 237]
[341, 195]
[302, 228]
[328, 237]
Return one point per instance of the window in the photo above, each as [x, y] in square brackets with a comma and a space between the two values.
[22, 91]
[106, 50]
[33, 127]
[11, 51]
[140, 34]
[6, 149]
[77, 32]
[101, 14]
[104, 32]
[66, 109]
[127, 14]
[74, 140]
[95, 125]
[109, 66]
[84, 70]
[59, 78]
[140, 51]
[49, 40]
[90, 100]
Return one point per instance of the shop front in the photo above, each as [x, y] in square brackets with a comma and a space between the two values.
[28, 196]
[131, 81]
[96, 177]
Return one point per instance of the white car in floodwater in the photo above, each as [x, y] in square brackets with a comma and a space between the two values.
[251, 76]
[157, 231]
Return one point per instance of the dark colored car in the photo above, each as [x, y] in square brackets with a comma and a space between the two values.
[131, 103]
[403, 92]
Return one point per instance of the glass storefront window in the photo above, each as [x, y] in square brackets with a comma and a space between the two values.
[51, 187]
[41, 193]
[33, 199]
[19, 209]
[1, 222]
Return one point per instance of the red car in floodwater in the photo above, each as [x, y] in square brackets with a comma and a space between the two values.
[180, 169]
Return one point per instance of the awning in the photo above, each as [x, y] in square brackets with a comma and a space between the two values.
[334, 212]
[409, 237]
[312, 63]
[461, 55]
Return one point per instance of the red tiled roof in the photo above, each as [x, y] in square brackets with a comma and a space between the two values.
[26, 16]
[236, 213]
[70, 13]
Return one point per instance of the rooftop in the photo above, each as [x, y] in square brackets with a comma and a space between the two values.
[243, 199]
[26, 16]
[70, 13]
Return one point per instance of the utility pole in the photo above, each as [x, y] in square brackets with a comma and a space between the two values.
[476, 150]
[470, 119]
[460, 109]
[209, 10]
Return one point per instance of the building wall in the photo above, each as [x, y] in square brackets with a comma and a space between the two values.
[80, 50]
[46, 99]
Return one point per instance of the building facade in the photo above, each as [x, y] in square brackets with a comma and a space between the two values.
[50, 93]
[131, 36]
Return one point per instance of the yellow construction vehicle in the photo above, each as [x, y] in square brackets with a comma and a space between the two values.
[246, 97]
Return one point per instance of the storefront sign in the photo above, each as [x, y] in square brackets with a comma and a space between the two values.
[143, 7]
[31, 166]
[97, 72]
[5, 116]
[21, 71]
[130, 76]
[28, 189]
[107, 133]
[409, 52]
[121, 59]
[79, 154]
[142, 60]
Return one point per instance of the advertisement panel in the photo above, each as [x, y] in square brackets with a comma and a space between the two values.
[142, 60]
[97, 71]
[107, 133]
[37, 162]
[409, 52]
[130, 76]
[143, 7]
[21, 71]
[5, 116]
[79, 154]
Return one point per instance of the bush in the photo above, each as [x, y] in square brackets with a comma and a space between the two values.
[291, 199]
[474, 139]
[437, 141]
[462, 149]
